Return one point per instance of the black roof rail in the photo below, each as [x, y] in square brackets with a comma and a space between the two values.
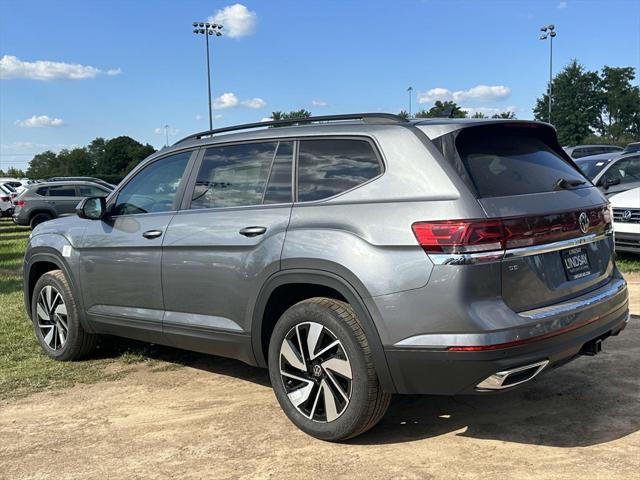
[367, 117]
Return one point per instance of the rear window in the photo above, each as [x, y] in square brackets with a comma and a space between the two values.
[504, 161]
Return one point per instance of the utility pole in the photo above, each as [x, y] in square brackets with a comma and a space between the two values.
[410, 90]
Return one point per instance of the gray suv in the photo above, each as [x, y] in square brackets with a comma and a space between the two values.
[354, 256]
[43, 201]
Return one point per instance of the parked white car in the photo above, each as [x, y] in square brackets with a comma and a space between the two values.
[18, 185]
[626, 220]
[6, 205]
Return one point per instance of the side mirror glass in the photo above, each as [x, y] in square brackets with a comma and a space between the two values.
[92, 208]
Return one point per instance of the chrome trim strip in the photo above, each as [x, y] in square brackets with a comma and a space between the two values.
[577, 304]
[554, 246]
[499, 255]
[496, 381]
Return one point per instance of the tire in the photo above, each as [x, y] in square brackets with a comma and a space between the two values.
[54, 314]
[328, 405]
[38, 218]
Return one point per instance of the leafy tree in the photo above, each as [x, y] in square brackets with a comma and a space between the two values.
[403, 114]
[120, 155]
[576, 103]
[620, 115]
[478, 115]
[302, 113]
[13, 173]
[506, 115]
[42, 165]
[447, 109]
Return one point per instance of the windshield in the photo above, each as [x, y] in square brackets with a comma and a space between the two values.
[591, 168]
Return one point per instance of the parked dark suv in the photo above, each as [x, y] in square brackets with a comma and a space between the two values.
[355, 256]
[43, 201]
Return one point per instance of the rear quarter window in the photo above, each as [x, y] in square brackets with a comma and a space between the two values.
[328, 167]
[505, 161]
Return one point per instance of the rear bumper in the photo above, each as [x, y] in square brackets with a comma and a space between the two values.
[562, 334]
[627, 242]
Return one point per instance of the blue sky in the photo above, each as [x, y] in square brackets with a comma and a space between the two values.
[141, 67]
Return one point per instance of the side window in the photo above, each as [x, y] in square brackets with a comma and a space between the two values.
[154, 188]
[330, 166]
[627, 171]
[42, 191]
[234, 175]
[62, 191]
[91, 191]
[279, 185]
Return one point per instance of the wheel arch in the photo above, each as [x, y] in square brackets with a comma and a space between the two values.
[332, 283]
[44, 260]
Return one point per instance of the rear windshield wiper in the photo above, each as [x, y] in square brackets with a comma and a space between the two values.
[564, 184]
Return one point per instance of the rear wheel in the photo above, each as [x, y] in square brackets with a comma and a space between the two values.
[322, 370]
[38, 218]
[55, 319]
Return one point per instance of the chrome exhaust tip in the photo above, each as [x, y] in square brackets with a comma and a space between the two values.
[512, 377]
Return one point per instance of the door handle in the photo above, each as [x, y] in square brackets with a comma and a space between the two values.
[150, 234]
[253, 231]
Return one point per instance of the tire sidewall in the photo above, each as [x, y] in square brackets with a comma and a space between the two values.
[352, 416]
[43, 218]
[64, 353]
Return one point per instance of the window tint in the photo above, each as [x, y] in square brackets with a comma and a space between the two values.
[591, 168]
[42, 191]
[234, 175]
[62, 191]
[154, 188]
[505, 161]
[279, 186]
[91, 191]
[627, 171]
[329, 167]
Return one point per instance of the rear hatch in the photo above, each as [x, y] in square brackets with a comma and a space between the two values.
[554, 221]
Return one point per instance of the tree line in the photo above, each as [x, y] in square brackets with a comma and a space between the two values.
[109, 159]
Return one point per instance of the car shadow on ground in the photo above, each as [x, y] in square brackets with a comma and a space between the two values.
[590, 401]
[587, 402]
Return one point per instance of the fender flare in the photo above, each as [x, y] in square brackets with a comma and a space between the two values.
[325, 279]
[51, 255]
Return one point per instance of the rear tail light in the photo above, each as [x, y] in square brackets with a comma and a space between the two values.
[474, 236]
[19, 203]
[5, 199]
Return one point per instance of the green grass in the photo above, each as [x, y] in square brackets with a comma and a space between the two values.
[24, 368]
[628, 263]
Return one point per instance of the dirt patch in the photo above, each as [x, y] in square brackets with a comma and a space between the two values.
[219, 419]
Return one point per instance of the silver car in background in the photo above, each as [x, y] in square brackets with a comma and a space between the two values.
[612, 173]
[354, 256]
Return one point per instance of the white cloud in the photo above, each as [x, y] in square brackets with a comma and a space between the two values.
[318, 103]
[226, 100]
[479, 92]
[562, 5]
[254, 103]
[489, 111]
[237, 20]
[266, 119]
[13, 67]
[40, 121]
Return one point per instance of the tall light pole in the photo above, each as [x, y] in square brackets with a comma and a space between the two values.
[549, 32]
[207, 29]
[410, 90]
[166, 135]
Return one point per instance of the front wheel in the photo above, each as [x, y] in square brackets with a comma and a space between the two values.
[322, 372]
[55, 319]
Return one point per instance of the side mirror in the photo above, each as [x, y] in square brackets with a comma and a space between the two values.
[92, 208]
[609, 182]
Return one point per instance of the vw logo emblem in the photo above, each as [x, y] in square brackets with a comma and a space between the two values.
[626, 216]
[317, 371]
[583, 220]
